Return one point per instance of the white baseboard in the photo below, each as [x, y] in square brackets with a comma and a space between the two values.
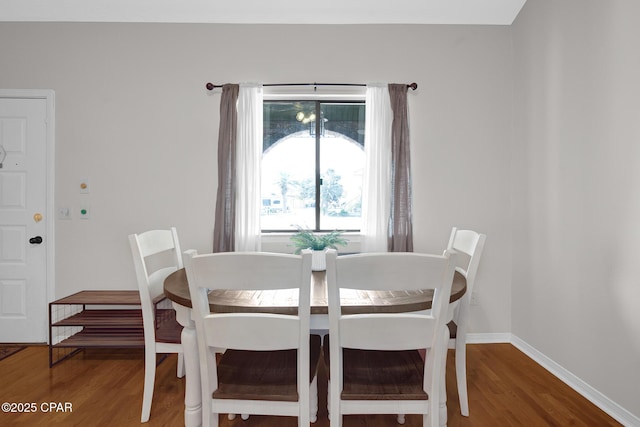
[617, 412]
[489, 338]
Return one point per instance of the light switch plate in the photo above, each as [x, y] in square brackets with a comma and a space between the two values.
[64, 212]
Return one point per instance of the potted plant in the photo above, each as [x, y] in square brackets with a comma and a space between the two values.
[307, 239]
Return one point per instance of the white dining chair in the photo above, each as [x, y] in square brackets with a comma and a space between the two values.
[156, 254]
[374, 364]
[269, 363]
[469, 245]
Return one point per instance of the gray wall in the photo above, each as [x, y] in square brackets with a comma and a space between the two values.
[527, 133]
[133, 116]
[576, 173]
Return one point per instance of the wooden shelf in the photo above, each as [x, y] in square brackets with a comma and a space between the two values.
[97, 327]
[129, 319]
[102, 298]
[104, 338]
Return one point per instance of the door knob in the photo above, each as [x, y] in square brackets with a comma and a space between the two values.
[35, 240]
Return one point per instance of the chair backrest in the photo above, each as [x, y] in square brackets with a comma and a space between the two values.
[394, 272]
[156, 254]
[249, 271]
[469, 245]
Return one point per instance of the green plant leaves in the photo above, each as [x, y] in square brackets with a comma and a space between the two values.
[307, 239]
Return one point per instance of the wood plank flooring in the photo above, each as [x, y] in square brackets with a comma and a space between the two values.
[104, 388]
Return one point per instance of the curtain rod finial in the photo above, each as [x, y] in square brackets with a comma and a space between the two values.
[210, 86]
[413, 86]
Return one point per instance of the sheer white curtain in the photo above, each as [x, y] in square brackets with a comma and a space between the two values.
[248, 159]
[376, 186]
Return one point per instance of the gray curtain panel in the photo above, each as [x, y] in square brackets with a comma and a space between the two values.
[400, 222]
[224, 226]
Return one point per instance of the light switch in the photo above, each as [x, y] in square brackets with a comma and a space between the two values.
[64, 212]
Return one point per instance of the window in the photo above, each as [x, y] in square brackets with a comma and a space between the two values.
[312, 165]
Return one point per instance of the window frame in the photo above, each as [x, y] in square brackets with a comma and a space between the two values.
[359, 99]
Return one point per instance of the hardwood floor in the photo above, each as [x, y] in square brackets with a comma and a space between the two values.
[104, 388]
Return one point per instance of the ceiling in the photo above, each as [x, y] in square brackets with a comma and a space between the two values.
[471, 12]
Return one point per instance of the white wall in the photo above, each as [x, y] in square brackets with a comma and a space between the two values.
[134, 117]
[556, 165]
[576, 160]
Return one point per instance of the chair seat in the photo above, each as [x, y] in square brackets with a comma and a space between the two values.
[381, 375]
[168, 330]
[263, 375]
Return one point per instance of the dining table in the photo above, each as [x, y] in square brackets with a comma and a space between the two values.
[176, 289]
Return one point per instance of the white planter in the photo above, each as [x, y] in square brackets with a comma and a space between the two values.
[318, 261]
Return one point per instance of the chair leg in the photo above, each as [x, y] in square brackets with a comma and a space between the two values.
[180, 372]
[461, 376]
[313, 400]
[333, 401]
[304, 417]
[149, 380]
[329, 399]
[439, 417]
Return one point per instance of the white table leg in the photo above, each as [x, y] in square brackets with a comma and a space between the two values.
[192, 390]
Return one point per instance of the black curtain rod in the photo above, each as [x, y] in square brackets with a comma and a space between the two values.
[211, 86]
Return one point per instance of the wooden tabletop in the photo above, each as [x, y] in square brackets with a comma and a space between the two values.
[176, 288]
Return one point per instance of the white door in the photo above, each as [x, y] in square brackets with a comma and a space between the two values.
[23, 220]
